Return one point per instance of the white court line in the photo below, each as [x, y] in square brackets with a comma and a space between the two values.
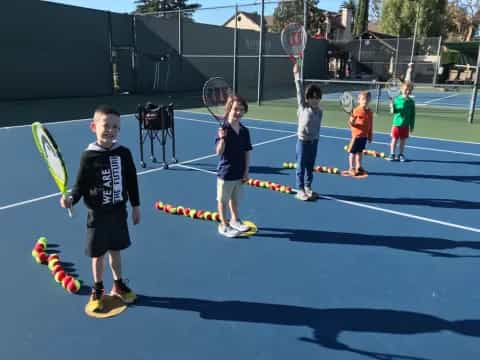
[439, 99]
[375, 208]
[17, 204]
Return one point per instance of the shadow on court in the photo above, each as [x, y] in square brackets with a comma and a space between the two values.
[423, 245]
[327, 324]
[471, 179]
[440, 203]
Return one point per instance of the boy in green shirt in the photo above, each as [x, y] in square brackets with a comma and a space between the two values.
[403, 109]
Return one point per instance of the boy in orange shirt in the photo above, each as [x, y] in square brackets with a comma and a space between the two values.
[361, 124]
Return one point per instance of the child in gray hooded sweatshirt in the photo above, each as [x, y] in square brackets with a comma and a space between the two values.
[309, 121]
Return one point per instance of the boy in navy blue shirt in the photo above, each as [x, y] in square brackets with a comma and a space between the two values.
[233, 146]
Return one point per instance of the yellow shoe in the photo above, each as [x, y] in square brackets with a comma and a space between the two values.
[123, 292]
[95, 303]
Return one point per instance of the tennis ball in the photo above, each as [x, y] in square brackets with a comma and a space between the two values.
[42, 240]
[215, 216]
[282, 188]
[199, 214]
[66, 280]
[167, 208]
[56, 269]
[256, 182]
[59, 276]
[207, 215]
[42, 258]
[192, 213]
[51, 264]
[159, 205]
[173, 210]
[73, 285]
[186, 211]
[285, 165]
[39, 247]
[250, 181]
[382, 154]
[34, 253]
[345, 147]
[180, 210]
[53, 256]
[336, 170]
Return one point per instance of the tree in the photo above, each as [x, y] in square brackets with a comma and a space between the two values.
[463, 19]
[361, 18]
[152, 6]
[399, 17]
[292, 11]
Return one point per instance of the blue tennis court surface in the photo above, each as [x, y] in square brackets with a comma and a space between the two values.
[381, 268]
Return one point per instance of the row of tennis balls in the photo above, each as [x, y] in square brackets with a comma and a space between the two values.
[192, 213]
[269, 185]
[69, 283]
[369, 152]
[318, 168]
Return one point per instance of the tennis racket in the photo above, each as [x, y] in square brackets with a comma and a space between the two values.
[346, 100]
[393, 88]
[49, 151]
[215, 94]
[294, 40]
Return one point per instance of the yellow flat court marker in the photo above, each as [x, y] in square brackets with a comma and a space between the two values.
[253, 228]
[112, 306]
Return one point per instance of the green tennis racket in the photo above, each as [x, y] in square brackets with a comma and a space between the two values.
[50, 152]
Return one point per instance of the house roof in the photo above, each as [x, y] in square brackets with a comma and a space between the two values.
[268, 20]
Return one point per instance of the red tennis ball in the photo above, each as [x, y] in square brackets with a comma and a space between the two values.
[180, 210]
[199, 214]
[56, 269]
[256, 182]
[59, 276]
[73, 285]
[159, 205]
[53, 256]
[43, 258]
[66, 280]
[186, 211]
[250, 181]
[39, 247]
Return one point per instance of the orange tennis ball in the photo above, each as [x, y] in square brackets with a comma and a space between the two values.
[73, 285]
[59, 276]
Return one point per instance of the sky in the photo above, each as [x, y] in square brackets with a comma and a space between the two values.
[207, 16]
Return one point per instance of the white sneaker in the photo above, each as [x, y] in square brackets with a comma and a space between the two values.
[238, 225]
[227, 231]
[310, 193]
[300, 195]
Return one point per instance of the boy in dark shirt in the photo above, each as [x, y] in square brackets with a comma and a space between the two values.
[106, 180]
[233, 146]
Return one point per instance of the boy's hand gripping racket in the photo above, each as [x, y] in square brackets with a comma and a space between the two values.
[294, 40]
[50, 152]
[215, 94]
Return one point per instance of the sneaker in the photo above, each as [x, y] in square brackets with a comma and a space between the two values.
[390, 157]
[228, 231]
[238, 225]
[301, 195]
[401, 158]
[95, 303]
[123, 292]
[361, 171]
[310, 193]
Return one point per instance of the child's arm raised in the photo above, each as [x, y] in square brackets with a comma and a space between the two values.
[298, 86]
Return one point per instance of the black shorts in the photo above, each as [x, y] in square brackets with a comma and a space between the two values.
[357, 145]
[106, 231]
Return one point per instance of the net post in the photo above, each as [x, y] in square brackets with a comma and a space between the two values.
[437, 64]
[377, 102]
[473, 100]
[260, 55]
[235, 51]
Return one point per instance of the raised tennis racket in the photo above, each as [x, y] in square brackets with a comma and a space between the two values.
[393, 88]
[49, 151]
[215, 94]
[347, 103]
[294, 40]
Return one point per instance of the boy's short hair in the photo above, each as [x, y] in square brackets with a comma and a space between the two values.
[366, 94]
[106, 110]
[235, 98]
[313, 91]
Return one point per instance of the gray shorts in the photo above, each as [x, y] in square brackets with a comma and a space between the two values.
[106, 231]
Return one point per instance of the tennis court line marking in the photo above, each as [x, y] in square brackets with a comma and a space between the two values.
[342, 138]
[26, 202]
[439, 99]
[375, 208]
